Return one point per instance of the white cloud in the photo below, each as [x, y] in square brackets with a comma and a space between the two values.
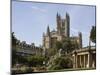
[76, 31]
[38, 9]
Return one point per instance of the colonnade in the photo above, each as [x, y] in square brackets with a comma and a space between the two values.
[85, 60]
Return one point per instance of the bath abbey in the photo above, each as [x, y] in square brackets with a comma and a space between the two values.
[82, 57]
[63, 32]
[59, 51]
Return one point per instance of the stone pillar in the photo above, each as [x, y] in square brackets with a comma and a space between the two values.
[84, 62]
[76, 62]
[74, 59]
[80, 62]
[89, 60]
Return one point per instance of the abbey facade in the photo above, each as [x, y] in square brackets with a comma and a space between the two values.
[61, 32]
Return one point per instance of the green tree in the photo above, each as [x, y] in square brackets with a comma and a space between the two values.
[68, 45]
[51, 51]
[93, 34]
[62, 63]
[14, 39]
[14, 56]
[58, 45]
[35, 61]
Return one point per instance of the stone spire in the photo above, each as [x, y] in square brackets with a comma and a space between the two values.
[67, 15]
[80, 39]
[57, 14]
[58, 20]
[43, 39]
[48, 31]
[43, 34]
[67, 25]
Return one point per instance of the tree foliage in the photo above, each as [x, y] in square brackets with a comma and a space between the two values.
[14, 39]
[93, 34]
[62, 63]
[35, 61]
[51, 52]
[58, 45]
[66, 45]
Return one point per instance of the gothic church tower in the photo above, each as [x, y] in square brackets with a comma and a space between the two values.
[58, 18]
[67, 25]
[47, 39]
[63, 25]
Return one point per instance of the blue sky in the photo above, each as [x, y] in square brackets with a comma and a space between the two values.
[30, 20]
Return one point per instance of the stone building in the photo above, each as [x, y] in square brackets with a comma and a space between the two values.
[61, 32]
[84, 58]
